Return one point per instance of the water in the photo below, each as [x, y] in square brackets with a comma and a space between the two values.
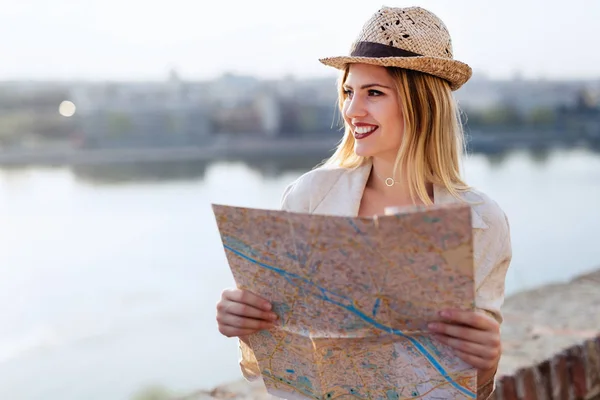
[110, 275]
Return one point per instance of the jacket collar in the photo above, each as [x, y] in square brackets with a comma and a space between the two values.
[351, 185]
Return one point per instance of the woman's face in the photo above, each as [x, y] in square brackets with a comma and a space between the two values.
[372, 111]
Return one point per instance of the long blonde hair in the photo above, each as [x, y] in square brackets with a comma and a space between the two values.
[433, 140]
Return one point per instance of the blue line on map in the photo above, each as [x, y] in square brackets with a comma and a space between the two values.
[350, 307]
[356, 228]
[376, 306]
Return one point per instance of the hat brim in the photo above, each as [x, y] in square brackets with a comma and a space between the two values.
[455, 72]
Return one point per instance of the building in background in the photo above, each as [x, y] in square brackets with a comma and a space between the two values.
[155, 114]
[178, 113]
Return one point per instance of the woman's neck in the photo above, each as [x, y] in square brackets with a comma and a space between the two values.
[391, 185]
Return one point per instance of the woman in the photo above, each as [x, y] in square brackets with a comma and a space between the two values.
[402, 146]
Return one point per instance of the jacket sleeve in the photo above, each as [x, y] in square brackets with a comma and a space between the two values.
[493, 254]
[248, 363]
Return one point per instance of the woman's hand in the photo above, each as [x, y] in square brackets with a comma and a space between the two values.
[474, 336]
[241, 313]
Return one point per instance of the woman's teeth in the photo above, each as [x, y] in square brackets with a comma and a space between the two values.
[361, 130]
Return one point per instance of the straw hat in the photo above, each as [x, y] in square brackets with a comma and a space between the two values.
[411, 38]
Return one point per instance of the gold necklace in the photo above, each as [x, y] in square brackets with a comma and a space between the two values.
[388, 181]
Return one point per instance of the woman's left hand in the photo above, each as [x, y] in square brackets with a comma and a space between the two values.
[474, 336]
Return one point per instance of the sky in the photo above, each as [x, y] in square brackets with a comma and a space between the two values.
[202, 39]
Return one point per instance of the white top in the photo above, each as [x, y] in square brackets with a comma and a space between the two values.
[339, 191]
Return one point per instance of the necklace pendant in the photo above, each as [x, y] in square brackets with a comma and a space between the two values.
[389, 181]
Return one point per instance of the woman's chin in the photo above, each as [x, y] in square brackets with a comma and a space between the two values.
[372, 151]
[364, 151]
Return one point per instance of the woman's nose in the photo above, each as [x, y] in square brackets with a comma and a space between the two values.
[355, 108]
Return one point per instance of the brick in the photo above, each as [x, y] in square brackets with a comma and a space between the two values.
[559, 378]
[592, 363]
[526, 387]
[543, 374]
[509, 388]
[576, 363]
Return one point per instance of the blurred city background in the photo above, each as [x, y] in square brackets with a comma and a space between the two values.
[121, 122]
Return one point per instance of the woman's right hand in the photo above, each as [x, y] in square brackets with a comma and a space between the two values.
[241, 313]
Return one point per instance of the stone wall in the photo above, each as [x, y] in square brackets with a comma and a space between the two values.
[574, 373]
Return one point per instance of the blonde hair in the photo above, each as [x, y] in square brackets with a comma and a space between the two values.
[433, 140]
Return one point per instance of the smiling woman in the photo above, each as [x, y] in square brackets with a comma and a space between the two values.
[402, 146]
[418, 140]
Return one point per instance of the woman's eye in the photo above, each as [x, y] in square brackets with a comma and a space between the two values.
[371, 92]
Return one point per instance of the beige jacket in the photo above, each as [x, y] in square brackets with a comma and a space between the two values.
[338, 191]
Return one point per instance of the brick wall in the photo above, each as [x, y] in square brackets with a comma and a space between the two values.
[571, 374]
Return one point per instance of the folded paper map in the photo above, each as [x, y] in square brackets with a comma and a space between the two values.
[354, 296]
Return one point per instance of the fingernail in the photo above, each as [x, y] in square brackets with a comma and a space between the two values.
[273, 316]
[268, 306]
[445, 314]
[433, 326]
